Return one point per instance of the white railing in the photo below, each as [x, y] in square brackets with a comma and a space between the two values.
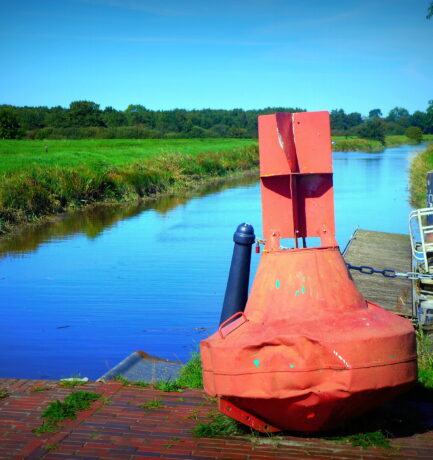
[419, 226]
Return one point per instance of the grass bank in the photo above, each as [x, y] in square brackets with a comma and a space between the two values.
[49, 177]
[356, 144]
[22, 155]
[41, 178]
[421, 164]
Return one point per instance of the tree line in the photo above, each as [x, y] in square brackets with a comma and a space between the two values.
[397, 122]
[85, 119]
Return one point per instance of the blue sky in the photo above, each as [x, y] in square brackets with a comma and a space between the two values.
[314, 54]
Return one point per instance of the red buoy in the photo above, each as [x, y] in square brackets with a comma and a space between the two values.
[309, 352]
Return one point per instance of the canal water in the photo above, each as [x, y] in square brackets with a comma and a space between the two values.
[81, 293]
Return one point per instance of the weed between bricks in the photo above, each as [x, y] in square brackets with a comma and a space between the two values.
[58, 411]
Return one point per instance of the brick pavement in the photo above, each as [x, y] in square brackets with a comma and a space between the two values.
[116, 428]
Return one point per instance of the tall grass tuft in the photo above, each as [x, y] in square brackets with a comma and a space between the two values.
[425, 358]
[220, 425]
[191, 374]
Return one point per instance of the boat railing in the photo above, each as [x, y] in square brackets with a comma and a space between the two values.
[421, 226]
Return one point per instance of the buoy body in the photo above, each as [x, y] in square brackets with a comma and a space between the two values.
[308, 352]
[312, 351]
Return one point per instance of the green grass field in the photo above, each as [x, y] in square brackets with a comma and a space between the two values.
[22, 155]
[17, 155]
[39, 178]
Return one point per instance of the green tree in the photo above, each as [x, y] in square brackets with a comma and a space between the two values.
[57, 117]
[84, 113]
[400, 116]
[354, 119]
[138, 122]
[138, 114]
[414, 133]
[373, 129]
[338, 120]
[9, 125]
[375, 113]
[113, 117]
[419, 119]
[31, 117]
[430, 11]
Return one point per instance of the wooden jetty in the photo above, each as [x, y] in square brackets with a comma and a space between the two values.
[382, 250]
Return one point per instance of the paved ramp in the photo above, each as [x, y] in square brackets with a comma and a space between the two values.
[118, 426]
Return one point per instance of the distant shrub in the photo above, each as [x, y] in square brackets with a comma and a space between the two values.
[197, 131]
[220, 130]
[44, 133]
[238, 133]
[71, 133]
[394, 129]
[173, 135]
[414, 133]
[373, 129]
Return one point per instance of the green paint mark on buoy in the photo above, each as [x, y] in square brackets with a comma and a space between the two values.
[277, 284]
[297, 293]
[256, 363]
[303, 289]
[292, 365]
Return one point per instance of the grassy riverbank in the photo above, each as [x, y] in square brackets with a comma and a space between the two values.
[421, 164]
[356, 144]
[38, 181]
[40, 178]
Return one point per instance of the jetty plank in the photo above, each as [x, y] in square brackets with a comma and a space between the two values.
[382, 250]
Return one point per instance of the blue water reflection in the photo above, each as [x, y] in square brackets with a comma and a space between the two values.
[80, 301]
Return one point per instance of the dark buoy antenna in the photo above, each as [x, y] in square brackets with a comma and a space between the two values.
[236, 295]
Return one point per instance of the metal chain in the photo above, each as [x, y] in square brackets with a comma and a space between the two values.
[389, 273]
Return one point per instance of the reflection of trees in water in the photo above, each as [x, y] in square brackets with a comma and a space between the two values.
[94, 220]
